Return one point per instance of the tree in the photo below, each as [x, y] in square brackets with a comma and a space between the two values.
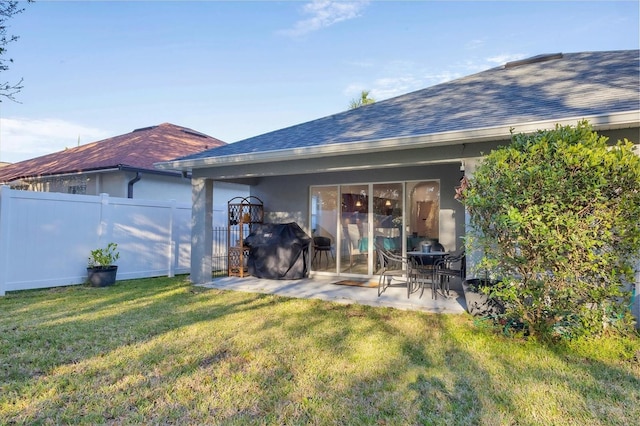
[556, 216]
[7, 10]
[363, 100]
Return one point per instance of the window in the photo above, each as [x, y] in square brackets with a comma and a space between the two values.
[396, 215]
[77, 189]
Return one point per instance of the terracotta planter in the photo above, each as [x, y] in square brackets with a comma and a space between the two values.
[478, 303]
[102, 276]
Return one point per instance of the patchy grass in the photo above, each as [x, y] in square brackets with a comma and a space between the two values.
[160, 351]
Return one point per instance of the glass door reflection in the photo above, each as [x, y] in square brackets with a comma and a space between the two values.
[355, 229]
[387, 215]
[324, 225]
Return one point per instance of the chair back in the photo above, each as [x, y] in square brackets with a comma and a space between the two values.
[321, 242]
[354, 238]
[453, 264]
[390, 261]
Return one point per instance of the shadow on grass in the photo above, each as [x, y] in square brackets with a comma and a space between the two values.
[163, 351]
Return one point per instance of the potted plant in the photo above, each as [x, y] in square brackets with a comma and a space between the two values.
[479, 302]
[101, 270]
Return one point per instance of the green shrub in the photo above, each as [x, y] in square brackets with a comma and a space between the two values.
[555, 214]
[104, 257]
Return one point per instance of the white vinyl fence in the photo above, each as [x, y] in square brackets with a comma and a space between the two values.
[46, 238]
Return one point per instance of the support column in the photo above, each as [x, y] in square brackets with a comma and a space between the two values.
[201, 229]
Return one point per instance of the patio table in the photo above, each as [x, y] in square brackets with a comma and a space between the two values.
[424, 263]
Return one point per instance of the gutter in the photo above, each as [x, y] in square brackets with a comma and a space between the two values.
[131, 183]
[139, 173]
[599, 122]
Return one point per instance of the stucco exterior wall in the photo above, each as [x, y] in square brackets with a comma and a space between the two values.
[151, 187]
[114, 184]
[286, 198]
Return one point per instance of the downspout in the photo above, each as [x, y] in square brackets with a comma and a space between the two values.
[131, 183]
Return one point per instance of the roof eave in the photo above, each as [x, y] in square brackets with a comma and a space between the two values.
[106, 169]
[599, 122]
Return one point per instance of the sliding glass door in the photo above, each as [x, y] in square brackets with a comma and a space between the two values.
[324, 227]
[354, 256]
[388, 215]
[423, 222]
[352, 219]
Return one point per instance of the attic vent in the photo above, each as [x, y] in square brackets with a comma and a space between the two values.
[190, 132]
[141, 129]
[533, 60]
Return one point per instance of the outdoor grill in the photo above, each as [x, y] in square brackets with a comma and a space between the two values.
[278, 251]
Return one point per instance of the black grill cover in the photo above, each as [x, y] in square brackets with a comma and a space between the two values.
[278, 251]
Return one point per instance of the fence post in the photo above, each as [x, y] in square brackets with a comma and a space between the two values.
[172, 258]
[5, 202]
[104, 235]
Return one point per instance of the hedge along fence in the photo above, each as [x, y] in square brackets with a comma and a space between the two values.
[45, 238]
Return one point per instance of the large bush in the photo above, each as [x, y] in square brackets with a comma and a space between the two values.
[556, 215]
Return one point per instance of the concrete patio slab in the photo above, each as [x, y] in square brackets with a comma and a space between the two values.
[320, 287]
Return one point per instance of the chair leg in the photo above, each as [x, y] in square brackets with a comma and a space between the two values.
[381, 287]
[434, 286]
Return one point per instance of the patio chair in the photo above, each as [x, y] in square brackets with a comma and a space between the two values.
[423, 269]
[451, 266]
[322, 245]
[394, 267]
[353, 234]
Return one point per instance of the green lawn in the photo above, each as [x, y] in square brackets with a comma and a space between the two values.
[160, 351]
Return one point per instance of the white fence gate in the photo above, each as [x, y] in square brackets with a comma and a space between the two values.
[45, 238]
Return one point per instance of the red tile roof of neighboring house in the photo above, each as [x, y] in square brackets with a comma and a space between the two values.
[139, 149]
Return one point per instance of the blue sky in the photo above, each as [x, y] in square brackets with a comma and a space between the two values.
[233, 70]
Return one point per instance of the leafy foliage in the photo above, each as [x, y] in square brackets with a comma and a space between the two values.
[7, 10]
[104, 257]
[364, 99]
[556, 215]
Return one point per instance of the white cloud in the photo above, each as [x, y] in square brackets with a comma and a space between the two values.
[475, 44]
[388, 87]
[354, 89]
[506, 57]
[402, 81]
[25, 138]
[385, 88]
[408, 78]
[324, 13]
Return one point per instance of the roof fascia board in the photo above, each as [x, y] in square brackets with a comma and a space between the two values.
[65, 174]
[599, 122]
[123, 168]
[172, 173]
[345, 163]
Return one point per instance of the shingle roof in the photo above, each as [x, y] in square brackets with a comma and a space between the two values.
[139, 149]
[546, 87]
